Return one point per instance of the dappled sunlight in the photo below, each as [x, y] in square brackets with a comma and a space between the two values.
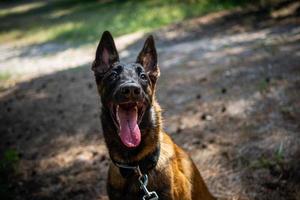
[20, 9]
[218, 177]
[239, 108]
[229, 92]
[23, 67]
[62, 148]
[37, 96]
[25, 63]
[86, 154]
[214, 51]
[286, 11]
[60, 13]
[40, 35]
[57, 18]
[218, 47]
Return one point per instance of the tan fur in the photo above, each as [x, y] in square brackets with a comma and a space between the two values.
[177, 168]
[180, 171]
[175, 176]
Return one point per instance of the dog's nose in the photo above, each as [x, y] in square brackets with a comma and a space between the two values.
[131, 90]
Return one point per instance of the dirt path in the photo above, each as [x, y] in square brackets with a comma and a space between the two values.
[229, 88]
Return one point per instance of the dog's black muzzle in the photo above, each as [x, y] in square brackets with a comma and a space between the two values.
[129, 92]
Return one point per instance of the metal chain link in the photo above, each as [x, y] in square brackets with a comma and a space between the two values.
[143, 179]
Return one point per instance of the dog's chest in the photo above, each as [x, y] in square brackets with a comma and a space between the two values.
[130, 188]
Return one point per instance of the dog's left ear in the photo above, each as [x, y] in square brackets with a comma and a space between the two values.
[148, 59]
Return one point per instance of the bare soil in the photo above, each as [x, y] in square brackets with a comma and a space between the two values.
[230, 91]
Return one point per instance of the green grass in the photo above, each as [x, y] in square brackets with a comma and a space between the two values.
[277, 159]
[80, 22]
[263, 86]
[8, 169]
[4, 76]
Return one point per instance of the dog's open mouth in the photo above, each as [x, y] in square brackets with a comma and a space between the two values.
[127, 116]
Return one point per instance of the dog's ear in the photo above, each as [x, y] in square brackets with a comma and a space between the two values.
[148, 58]
[106, 54]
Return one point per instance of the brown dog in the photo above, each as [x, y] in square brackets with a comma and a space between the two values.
[146, 163]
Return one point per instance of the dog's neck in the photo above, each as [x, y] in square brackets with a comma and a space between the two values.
[145, 165]
[150, 129]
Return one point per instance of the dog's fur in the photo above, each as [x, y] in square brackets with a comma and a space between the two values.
[174, 175]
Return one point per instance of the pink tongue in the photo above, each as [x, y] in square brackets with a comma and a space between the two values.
[129, 130]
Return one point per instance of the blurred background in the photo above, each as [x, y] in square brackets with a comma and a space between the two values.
[229, 88]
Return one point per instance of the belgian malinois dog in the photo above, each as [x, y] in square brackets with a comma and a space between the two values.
[146, 163]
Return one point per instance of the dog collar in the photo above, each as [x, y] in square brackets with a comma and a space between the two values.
[145, 165]
[143, 181]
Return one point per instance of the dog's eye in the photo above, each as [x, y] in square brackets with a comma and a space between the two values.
[143, 76]
[113, 76]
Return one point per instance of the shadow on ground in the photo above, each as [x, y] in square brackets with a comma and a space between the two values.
[230, 99]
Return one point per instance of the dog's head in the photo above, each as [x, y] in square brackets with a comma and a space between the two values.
[126, 90]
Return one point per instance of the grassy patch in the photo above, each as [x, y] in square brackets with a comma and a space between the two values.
[77, 21]
[276, 160]
[263, 86]
[8, 169]
[4, 76]
[4, 80]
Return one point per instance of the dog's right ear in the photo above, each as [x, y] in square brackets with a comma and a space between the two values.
[106, 54]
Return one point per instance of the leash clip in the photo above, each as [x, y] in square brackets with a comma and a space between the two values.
[143, 179]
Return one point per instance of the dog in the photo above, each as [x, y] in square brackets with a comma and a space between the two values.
[146, 163]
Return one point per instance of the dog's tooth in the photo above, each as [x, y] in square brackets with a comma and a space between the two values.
[117, 111]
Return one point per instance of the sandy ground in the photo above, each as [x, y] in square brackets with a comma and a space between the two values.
[229, 87]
